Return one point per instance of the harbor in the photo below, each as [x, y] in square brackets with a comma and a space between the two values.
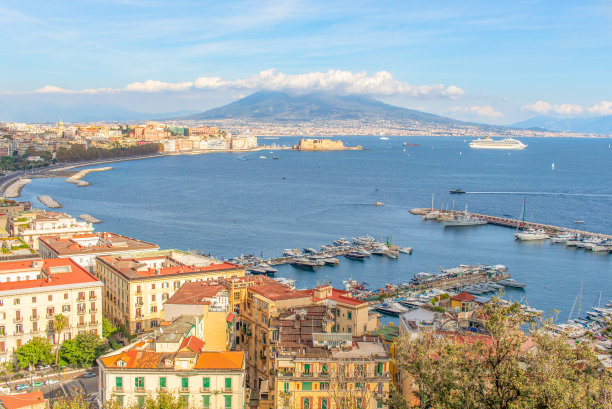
[595, 242]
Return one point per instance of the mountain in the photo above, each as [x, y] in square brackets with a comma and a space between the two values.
[598, 125]
[279, 106]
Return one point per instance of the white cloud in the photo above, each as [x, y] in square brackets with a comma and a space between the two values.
[484, 111]
[603, 108]
[543, 107]
[381, 83]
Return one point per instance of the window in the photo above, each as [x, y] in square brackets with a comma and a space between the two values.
[18, 343]
[119, 399]
[16, 301]
[35, 326]
[119, 382]
[153, 287]
[50, 298]
[66, 336]
[350, 315]
[306, 386]
[379, 368]
[19, 329]
[306, 369]
[184, 401]
[66, 308]
[153, 324]
[164, 297]
[153, 298]
[92, 294]
[205, 401]
[66, 296]
[324, 403]
[228, 383]
[324, 370]
[184, 383]
[140, 399]
[162, 381]
[359, 403]
[2, 346]
[205, 383]
[379, 403]
[228, 401]
[154, 308]
[306, 404]
[2, 330]
[33, 300]
[286, 387]
[139, 382]
[324, 386]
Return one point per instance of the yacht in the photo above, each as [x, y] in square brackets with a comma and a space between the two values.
[506, 144]
[510, 282]
[562, 238]
[391, 308]
[405, 250]
[355, 255]
[531, 235]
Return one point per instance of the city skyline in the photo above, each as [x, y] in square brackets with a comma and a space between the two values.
[492, 63]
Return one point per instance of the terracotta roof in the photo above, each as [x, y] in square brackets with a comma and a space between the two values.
[220, 360]
[463, 297]
[195, 292]
[276, 291]
[230, 317]
[22, 400]
[193, 344]
[338, 295]
[76, 274]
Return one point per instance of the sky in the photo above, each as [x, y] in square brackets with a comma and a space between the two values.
[488, 61]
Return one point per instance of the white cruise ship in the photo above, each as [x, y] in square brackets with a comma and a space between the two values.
[507, 143]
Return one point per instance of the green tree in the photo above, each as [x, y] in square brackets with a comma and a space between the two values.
[83, 350]
[37, 350]
[107, 328]
[163, 400]
[60, 322]
[505, 369]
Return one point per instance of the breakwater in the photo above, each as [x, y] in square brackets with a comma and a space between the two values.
[49, 202]
[512, 223]
[89, 218]
[76, 178]
[14, 190]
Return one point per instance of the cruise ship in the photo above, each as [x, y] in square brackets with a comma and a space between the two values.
[507, 144]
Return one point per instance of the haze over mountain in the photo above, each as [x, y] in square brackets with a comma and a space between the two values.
[280, 106]
[598, 125]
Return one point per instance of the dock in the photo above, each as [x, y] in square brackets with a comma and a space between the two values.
[49, 202]
[512, 223]
[89, 218]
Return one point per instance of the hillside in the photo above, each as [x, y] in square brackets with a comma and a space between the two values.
[598, 125]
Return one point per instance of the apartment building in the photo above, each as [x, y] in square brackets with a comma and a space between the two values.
[32, 225]
[315, 368]
[172, 360]
[84, 248]
[137, 285]
[32, 292]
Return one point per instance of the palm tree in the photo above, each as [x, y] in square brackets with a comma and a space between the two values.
[60, 322]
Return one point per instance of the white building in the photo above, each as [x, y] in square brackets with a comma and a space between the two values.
[32, 225]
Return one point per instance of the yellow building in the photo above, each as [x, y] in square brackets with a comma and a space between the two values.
[137, 285]
[315, 368]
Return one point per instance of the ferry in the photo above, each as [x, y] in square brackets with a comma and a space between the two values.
[506, 144]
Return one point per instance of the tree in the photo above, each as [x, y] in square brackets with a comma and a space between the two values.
[351, 384]
[504, 369]
[37, 350]
[107, 328]
[163, 400]
[6, 369]
[83, 350]
[60, 322]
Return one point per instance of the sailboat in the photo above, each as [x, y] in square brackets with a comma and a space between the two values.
[433, 214]
[553, 166]
[529, 234]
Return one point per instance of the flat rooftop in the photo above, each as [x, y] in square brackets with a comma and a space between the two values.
[94, 243]
[53, 272]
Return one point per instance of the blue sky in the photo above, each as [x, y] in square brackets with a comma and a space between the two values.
[491, 61]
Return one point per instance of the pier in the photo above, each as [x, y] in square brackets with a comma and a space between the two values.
[49, 202]
[89, 218]
[14, 190]
[76, 178]
[512, 223]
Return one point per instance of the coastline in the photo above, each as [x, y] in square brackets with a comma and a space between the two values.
[14, 189]
[76, 178]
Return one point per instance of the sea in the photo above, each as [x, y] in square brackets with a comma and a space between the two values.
[227, 204]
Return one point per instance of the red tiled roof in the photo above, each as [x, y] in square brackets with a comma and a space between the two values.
[463, 297]
[276, 291]
[338, 295]
[220, 360]
[230, 317]
[77, 274]
[193, 344]
[195, 292]
[116, 242]
[22, 400]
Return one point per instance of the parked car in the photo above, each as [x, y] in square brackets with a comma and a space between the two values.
[22, 387]
[51, 381]
[89, 375]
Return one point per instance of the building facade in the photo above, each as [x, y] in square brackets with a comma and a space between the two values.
[32, 225]
[33, 292]
[138, 285]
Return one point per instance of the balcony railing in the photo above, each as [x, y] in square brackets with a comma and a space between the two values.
[81, 312]
[285, 374]
[93, 310]
[117, 388]
[139, 303]
[139, 388]
[50, 316]
[34, 318]
[227, 390]
[184, 390]
[93, 297]
[81, 298]
[205, 390]
[161, 389]
[82, 324]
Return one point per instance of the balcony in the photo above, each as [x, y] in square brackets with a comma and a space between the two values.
[93, 297]
[227, 390]
[117, 388]
[82, 324]
[161, 389]
[81, 312]
[139, 316]
[20, 319]
[184, 390]
[34, 318]
[50, 316]
[205, 390]
[285, 374]
[139, 303]
[139, 388]
[93, 310]
[81, 298]
[34, 331]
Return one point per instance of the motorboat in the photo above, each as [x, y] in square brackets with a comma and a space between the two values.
[562, 238]
[406, 250]
[391, 308]
[510, 282]
[303, 263]
[464, 219]
[457, 191]
[354, 255]
[309, 250]
[531, 235]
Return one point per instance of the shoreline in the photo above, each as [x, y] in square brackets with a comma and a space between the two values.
[14, 189]
[76, 178]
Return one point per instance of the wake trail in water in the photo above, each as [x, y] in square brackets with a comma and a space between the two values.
[542, 194]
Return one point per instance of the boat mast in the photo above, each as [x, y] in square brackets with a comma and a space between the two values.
[521, 225]
[432, 200]
[577, 300]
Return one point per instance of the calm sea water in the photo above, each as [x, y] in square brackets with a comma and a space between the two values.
[229, 204]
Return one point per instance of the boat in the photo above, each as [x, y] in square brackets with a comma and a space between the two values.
[291, 252]
[505, 144]
[464, 219]
[510, 282]
[529, 234]
[405, 250]
[383, 138]
[275, 157]
[391, 308]
[378, 203]
[553, 166]
[269, 269]
[602, 247]
[579, 221]
[354, 255]
[411, 144]
[573, 241]
[392, 253]
[331, 261]
[341, 242]
[309, 250]
[303, 263]
[457, 191]
[262, 157]
[562, 238]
